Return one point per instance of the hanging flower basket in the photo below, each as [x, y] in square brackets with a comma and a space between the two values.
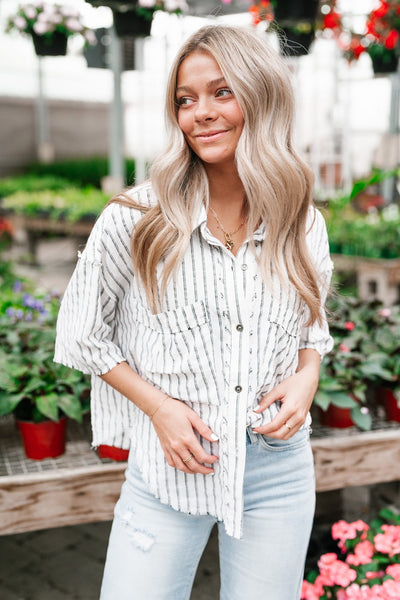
[383, 64]
[130, 24]
[45, 439]
[54, 45]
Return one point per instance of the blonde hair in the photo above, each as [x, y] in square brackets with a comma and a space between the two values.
[277, 183]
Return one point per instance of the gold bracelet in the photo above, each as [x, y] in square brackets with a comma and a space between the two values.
[159, 406]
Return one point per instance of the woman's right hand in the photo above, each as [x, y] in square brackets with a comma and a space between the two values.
[174, 423]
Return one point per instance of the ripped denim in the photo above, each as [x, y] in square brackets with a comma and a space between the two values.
[154, 550]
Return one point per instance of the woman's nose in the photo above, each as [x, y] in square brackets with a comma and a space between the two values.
[205, 109]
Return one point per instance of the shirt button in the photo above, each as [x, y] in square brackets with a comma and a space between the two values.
[238, 388]
[239, 327]
[244, 267]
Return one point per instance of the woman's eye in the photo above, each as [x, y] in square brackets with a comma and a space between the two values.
[224, 92]
[183, 101]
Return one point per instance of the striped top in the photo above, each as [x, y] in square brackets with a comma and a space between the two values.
[222, 341]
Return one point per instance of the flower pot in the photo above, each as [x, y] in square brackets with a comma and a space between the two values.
[130, 24]
[391, 402]
[336, 417]
[112, 452]
[296, 11]
[45, 439]
[54, 45]
[384, 64]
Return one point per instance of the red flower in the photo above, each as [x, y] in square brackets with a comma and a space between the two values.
[332, 20]
[344, 348]
[349, 325]
[391, 40]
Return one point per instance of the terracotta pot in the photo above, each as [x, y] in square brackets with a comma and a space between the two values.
[56, 45]
[336, 417]
[45, 439]
[112, 452]
[391, 402]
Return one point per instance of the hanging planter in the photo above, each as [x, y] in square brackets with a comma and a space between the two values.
[131, 24]
[45, 439]
[113, 452]
[54, 45]
[296, 11]
[383, 62]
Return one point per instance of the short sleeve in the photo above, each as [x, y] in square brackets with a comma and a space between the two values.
[86, 338]
[317, 335]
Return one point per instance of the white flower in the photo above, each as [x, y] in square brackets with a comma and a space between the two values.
[147, 3]
[69, 11]
[20, 23]
[90, 37]
[73, 25]
[40, 27]
[30, 12]
[172, 5]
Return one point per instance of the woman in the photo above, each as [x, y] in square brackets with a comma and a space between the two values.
[197, 306]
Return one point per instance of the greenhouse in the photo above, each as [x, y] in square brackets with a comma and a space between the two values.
[200, 299]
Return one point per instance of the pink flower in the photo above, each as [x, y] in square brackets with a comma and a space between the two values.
[343, 531]
[334, 571]
[344, 348]
[349, 325]
[309, 591]
[363, 554]
[388, 542]
[394, 571]
[391, 589]
[20, 23]
[385, 312]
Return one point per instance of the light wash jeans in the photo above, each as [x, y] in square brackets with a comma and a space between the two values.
[154, 550]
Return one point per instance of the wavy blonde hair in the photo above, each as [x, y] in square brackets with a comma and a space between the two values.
[277, 183]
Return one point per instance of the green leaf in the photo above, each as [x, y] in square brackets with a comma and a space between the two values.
[8, 402]
[71, 406]
[363, 421]
[48, 406]
[343, 400]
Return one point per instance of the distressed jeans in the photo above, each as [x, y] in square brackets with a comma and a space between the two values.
[154, 550]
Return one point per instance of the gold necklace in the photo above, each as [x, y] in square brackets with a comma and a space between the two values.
[229, 243]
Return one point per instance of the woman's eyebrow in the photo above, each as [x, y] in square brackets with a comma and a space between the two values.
[210, 84]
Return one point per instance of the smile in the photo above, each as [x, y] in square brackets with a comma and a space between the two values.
[210, 136]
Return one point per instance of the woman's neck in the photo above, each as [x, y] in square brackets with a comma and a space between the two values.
[226, 191]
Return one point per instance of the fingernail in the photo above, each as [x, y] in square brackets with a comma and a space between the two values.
[214, 437]
[256, 409]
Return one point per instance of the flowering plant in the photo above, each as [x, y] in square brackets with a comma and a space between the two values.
[368, 567]
[46, 19]
[31, 384]
[366, 351]
[144, 8]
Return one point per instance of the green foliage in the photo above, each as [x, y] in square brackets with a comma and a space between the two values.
[31, 183]
[70, 203]
[82, 171]
[366, 353]
[31, 384]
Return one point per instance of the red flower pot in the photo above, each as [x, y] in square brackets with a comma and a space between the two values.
[45, 439]
[112, 452]
[391, 403]
[336, 417]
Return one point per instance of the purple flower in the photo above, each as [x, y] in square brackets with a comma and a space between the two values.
[10, 311]
[17, 287]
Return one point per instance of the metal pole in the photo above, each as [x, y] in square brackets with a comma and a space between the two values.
[388, 185]
[45, 150]
[116, 178]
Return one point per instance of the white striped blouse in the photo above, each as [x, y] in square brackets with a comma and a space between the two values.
[222, 342]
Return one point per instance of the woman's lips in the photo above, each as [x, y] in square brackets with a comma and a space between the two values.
[210, 136]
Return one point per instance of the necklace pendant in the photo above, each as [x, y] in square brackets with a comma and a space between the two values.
[228, 241]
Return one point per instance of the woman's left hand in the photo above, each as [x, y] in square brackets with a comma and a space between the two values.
[296, 394]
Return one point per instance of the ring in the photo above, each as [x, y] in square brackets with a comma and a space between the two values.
[288, 426]
[188, 459]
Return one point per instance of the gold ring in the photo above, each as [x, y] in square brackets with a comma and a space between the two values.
[188, 459]
[288, 426]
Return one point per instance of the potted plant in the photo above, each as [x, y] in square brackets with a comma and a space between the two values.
[384, 345]
[39, 392]
[367, 566]
[361, 358]
[133, 18]
[49, 25]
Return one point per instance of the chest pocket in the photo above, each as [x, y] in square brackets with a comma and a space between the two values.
[174, 351]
